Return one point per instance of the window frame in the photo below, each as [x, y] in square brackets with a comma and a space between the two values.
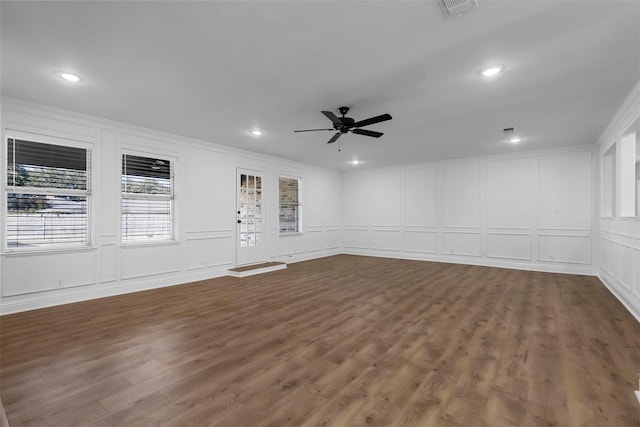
[172, 239]
[627, 169]
[299, 207]
[53, 191]
[609, 171]
[637, 173]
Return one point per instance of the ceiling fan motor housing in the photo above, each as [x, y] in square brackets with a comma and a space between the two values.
[347, 122]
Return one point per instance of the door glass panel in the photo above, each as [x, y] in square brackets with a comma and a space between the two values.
[250, 211]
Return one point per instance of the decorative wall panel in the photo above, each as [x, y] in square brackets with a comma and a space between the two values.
[461, 195]
[421, 197]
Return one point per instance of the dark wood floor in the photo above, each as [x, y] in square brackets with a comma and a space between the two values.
[339, 341]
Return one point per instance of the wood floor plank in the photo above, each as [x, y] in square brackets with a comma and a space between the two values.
[130, 412]
[338, 341]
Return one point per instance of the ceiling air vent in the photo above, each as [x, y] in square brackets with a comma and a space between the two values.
[452, 8]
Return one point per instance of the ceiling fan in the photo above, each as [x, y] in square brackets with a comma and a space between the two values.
[347, 124]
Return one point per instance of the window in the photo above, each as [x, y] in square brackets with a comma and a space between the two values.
[609, 182]
[637, 175]
[47, 195]
[147, 198]
[628, 175]
[290, 206]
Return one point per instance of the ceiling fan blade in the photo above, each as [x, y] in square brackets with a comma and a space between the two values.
[372, 120]
[366, 132]
[335, 119]
[310, 130]
[334, 138]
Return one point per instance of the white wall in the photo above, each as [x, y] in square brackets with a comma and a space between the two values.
[530, 211]
[620, 236]
[536, 210]
[205, 175]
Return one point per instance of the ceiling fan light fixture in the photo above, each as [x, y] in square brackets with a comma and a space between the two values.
[256, 132]
[491, 70]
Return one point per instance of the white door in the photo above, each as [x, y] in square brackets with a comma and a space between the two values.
[251, 247]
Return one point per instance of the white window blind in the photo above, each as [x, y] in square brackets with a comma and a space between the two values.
[290, 206]
[47, 194]
[147, 198]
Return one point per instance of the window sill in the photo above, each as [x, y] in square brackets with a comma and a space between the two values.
[46, 251]
[289, 234]
[146, 244]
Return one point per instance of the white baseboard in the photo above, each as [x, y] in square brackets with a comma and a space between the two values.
[19, 303]
[306, 256]
[26, 302]
[626, 297]
[9, 305]
[566, 268]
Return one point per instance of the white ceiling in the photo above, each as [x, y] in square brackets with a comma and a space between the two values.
[215, 70]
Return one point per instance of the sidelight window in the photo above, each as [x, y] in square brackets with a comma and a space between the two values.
[290, 206]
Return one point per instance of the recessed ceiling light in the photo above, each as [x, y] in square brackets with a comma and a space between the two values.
[491, 70]
[255, 132]
[511, 135]
[69, 77]
[355, 162]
